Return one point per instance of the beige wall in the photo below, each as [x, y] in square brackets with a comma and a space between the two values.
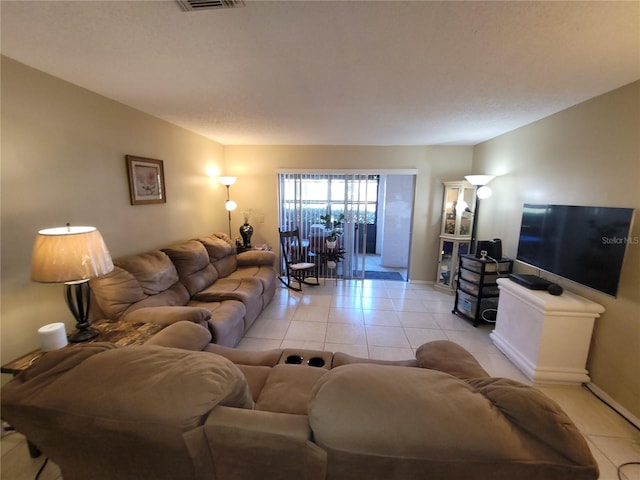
[586, 155]
[256, 168]
[63, 151]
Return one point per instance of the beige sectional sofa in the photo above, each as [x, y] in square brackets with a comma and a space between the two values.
[181, 407]
[201, 280]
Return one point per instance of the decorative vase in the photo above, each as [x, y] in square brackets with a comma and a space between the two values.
[331, 244]
[246, 231]
[331, 264]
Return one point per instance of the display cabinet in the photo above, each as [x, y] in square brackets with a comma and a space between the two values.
[455, 233]
[477, 287]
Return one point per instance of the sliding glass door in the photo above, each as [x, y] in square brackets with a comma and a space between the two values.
[361, 195]
[306, 197]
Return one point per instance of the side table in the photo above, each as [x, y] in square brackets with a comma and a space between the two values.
[14, 367]
[118, 333]
[20, 364]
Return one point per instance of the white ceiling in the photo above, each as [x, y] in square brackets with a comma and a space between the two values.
[336, 73]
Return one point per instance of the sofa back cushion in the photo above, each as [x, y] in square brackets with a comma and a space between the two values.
[116, 291]
[192, 264]
[354, 407]
[222, 253]
[146, 280]
[432, 420]
[176, 295]
[154, 270]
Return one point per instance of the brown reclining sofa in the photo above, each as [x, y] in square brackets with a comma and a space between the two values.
[181, 408]
[201, 280]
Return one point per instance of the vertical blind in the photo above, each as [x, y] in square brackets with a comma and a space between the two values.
[304, 197]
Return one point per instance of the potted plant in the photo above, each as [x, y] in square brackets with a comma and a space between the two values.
[331, 229]
[333, 256]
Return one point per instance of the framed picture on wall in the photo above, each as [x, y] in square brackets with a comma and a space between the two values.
[146, 180]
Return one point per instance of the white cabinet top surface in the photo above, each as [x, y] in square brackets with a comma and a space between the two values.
[541, 299]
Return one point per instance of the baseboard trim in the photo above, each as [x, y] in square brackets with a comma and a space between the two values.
[606, 398]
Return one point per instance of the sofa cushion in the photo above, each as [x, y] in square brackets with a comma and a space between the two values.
[176, 295]
[226, 322]
[451, 358]
[288, 389]
[192, 263]
[152, 390]
[256, 257]
[116, 291]
[438, 421]
[154, 270]
[246, 290]
[167, 315]
[222, 253]
[185, 335]
[231, 289]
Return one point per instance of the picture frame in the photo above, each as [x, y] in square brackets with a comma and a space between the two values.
[146, 180]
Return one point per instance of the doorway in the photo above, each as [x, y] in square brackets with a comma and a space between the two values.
[374, 236]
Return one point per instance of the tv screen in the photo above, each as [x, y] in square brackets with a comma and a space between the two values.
[584, 244]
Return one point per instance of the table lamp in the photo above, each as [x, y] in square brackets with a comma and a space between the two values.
[72, 255]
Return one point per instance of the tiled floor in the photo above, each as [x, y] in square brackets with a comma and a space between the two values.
[389, 320]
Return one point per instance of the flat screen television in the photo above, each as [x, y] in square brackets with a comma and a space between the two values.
[584, 244]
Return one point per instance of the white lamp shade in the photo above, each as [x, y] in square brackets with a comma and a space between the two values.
[479, 180]
[230, 205]
[228, 181]
[68, 254]
[484, 192]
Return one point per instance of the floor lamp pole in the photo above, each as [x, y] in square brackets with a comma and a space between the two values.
[474, 225]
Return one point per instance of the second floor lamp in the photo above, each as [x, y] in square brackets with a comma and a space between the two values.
[229, 205]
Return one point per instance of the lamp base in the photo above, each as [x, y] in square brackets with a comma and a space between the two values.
[82, 335]
[78, 297]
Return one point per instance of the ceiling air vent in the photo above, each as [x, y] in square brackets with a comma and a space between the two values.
[194, 5]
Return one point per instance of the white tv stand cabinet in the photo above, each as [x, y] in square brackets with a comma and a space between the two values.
[545, 336]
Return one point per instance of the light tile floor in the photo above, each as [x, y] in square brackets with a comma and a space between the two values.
[389, 320]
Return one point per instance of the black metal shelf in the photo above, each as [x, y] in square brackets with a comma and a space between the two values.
[481, 273]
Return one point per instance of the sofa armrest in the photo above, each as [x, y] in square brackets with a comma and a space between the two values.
[256, 257]
[249, 444]
[167, 315]
[449, 357]
[185, 335]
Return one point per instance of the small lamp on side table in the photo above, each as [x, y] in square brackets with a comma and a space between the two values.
[72, 255]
